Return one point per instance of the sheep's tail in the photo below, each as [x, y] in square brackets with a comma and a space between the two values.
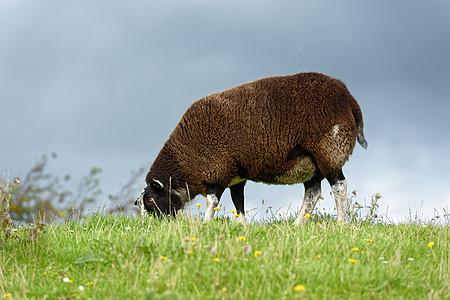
[357, 114]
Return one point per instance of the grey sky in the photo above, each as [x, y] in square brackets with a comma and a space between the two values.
[103, 83]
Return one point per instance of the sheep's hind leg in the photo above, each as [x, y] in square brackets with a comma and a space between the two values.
[312, 195]
[237, 195]
[339, 188]
[212, 200]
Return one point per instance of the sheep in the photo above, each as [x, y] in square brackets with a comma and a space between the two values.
[289, 129]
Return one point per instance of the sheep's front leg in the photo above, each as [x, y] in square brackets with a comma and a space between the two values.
[212, 200]
[339, 188]
[237, 195]
[312, 195]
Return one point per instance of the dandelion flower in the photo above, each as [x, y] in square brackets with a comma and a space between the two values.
[355, 249]
[340, 221]
[242, 238]
[162, 257]
[7, 294]
[352, 260]
[190, 252]
[233, 211]
[45, 273]
[81, 288]
[307, 216]
[318, 256]
[193, 239]
[224, 289]
[89, 283]
[216, 259]
[258, 253]
[216, 208]
[430, 244]
[236, 215]
[199, 204]
[368, 240]
[299, 288]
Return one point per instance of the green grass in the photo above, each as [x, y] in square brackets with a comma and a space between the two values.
[117, 257]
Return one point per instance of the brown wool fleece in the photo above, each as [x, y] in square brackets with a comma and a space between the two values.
[260, 130]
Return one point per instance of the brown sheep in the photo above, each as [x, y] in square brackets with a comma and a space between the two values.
[276, 130]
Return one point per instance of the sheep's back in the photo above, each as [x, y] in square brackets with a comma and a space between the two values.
[256, 126]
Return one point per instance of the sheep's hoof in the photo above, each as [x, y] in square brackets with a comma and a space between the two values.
[241, 219]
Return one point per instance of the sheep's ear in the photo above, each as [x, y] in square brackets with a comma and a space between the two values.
[156, 184]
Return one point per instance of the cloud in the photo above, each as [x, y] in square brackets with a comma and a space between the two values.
[103, 83]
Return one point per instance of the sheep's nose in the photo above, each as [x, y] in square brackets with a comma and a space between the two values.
[139, 199]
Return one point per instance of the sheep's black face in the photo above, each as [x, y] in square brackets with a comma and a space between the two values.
[155, 200]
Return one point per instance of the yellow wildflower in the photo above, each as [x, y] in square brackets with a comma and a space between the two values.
[163, 257]
[242, 238]
[368, 240]
[216, 208]
[233, 211]
[216, 259]
[89, 283]
[299, 288]
[199, 204]
[224, 289]
[193, 239]
[352, 260]
[7, 294]
[236, 215]
[318, 256]
[258, 253]
[307, 216]
[430, 244]
[355, 249]
[190, 252]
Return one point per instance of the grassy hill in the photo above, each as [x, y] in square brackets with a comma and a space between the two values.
[118, 257]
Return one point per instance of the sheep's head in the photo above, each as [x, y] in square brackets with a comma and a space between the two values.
[155, 199]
